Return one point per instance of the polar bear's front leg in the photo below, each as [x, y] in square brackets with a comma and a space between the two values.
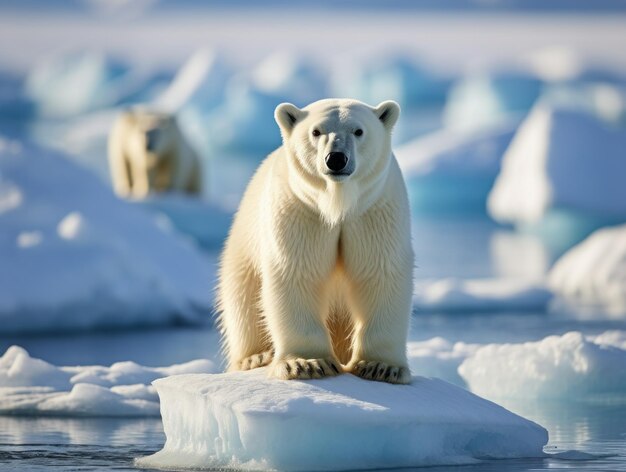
[379, 264]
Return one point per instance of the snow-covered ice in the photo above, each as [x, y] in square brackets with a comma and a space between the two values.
[480, 295]
[81, 258]
[485, 99]
[452, 171]
[438, 357]
[30, 386]
[245, 420]
[562, 160]
[569, 367]
[593, 273]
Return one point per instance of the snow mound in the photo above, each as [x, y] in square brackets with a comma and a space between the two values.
[486, 99]
[453, 171]
[438, 357]
[76, 257]
[559, 367]
[564, 161]
[594, 272]
[245, 420]
[30, 386]
[454, 295]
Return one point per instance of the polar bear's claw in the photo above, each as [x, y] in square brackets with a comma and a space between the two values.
[255, 360]
[304, 369]
[381, 372]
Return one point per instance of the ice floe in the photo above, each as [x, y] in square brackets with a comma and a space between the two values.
[593, 273]
[76, 257]
[30, 386]
[246, 420]
[453, 171]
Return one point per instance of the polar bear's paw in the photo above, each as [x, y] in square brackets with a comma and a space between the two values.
[255, 360]
[381, 372]
[304, 369]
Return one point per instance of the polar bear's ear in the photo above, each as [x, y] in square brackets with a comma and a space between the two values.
[388, 112]
[287, 115]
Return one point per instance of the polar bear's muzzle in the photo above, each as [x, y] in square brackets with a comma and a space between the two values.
[339, 164]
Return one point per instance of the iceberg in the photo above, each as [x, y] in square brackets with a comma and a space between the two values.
[30, 386]
[593, 273]
[569, 366]
[482, 100]
[76, 257]
[245, 420]
[453, 171]
[562, 174]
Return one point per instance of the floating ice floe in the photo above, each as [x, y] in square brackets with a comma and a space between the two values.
[593, 273]
[438, 357]
[480, 295]
[30, 386]
[76, 257]
[568, 367]
[246, 420]
[453, 171]
[563, 172]
[482, 100]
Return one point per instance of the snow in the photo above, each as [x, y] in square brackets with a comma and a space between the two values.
[594, 272]
[484, 99]
[569, 367]
[561, 160]
[30, 386]
[245, 420]
[452, 171]
[94, 261]
[438, 357]
[480, 295]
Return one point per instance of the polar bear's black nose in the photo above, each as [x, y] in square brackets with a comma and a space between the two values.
[336, 161]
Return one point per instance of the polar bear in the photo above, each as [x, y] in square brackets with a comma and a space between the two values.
[315, 277]
[148, 153]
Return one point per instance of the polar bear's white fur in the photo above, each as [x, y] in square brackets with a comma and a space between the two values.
[317, 269]
[148, 153]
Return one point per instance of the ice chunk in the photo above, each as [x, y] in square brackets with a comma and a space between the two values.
[290, 75]
[80, 258]
[453, 171]
[563, 169]
[594, 272]
[564, 367]
[481, 100]
[245, 420]
[32, 386]
[438, 357]
[453, 295]
[394, 78]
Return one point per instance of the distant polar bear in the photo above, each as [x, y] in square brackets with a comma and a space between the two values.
[317, 269]
[148, 153]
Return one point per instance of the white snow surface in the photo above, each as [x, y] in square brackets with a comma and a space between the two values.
[30, 386]
[245, 420]
[80, 258]
[569, 367]
[499, 294]
[594, 271]
[561, 159]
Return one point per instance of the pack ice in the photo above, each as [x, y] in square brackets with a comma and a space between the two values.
[244, 420]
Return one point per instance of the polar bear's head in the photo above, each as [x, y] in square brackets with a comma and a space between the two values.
[152, 135]
[338, 152]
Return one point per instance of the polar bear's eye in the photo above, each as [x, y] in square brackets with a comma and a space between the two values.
[358, 132]
[316, 132]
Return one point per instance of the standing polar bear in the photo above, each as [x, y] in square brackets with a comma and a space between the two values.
[317, 268]
[148, 153]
